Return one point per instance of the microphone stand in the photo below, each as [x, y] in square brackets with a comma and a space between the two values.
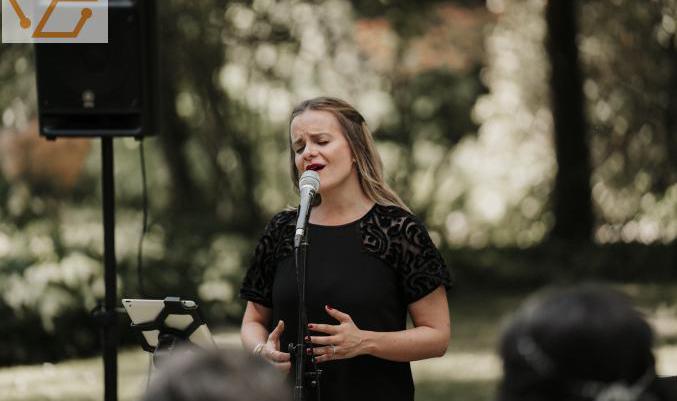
[298, 350]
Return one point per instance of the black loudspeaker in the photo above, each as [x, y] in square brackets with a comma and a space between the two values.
[101, 89]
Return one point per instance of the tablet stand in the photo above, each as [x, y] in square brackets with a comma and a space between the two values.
[168, 337]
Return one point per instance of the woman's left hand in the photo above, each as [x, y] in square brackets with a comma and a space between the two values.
[344, 340]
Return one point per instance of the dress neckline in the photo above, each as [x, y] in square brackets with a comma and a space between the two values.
[371, 209]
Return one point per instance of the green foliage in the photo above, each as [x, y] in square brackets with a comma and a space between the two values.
[45, 295]
[562, 263]
[30, 343]
[399, 12]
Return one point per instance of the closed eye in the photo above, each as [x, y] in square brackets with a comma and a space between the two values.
[319, 141]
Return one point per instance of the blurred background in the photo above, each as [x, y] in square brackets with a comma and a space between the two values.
[527, 172]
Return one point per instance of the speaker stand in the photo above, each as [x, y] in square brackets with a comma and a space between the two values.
[109, 328]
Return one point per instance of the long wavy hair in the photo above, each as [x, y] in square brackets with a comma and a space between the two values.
[362, 147]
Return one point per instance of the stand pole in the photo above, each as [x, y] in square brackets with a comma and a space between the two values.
[300, 348]
[109, 328]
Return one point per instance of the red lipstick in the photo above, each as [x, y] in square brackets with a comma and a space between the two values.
[315, 167]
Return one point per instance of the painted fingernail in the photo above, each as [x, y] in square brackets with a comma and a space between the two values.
[310, 325]
[309, 351]
[329, 307]
[307, 338]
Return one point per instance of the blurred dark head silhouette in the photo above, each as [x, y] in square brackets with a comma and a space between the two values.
[193, 374]
[584, 343]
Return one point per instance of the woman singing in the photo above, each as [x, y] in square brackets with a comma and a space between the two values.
[370, 262]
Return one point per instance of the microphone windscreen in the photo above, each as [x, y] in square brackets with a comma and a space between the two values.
[310, 177]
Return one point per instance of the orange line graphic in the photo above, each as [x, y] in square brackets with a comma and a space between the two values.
[24, 21]
[85, 14]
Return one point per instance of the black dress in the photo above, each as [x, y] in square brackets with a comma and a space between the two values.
[371, 269]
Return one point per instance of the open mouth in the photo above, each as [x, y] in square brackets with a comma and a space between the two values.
[314, 167]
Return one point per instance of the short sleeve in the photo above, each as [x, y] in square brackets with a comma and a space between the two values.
[422, 268]
[402, 242]
[257, 285]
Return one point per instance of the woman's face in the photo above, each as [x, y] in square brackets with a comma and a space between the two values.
[318, 144]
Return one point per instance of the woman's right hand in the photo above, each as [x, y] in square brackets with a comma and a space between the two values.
[271, 350]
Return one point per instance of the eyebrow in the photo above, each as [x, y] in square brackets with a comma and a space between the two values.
[299, 140]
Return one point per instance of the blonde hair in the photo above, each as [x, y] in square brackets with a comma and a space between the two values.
[362, 147]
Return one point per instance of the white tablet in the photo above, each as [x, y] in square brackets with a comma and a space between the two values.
[144, 311]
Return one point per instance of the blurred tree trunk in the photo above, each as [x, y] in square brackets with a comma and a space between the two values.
[192, 55]
[572, 197]
[207, 58]
[247, 217]
[671, 112]
[172, 131]
[671, 120]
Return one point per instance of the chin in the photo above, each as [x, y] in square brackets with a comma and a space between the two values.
[325, 187]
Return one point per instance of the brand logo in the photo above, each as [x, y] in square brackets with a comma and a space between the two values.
[55, 21]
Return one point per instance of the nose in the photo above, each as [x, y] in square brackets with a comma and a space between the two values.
[309, 151]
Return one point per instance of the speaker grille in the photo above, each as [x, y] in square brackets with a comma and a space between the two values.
[97, 89]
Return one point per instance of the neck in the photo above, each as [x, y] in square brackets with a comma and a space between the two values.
[339, 207]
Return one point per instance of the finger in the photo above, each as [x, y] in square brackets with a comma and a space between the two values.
[326, 358]
[274, 335]
[278, 356]
[324, 354]
[323, 328]
[317, 351]
[338, 315]
[324, 340]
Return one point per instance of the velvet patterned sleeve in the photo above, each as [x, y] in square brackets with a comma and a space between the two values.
[402, 241]
[257, 285]
[422, 269]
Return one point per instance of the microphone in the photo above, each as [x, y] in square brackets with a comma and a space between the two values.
[309, 183]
